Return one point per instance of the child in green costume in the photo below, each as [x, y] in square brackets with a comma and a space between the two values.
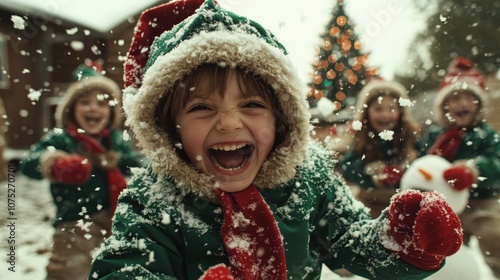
[85, 159]
[236, 187]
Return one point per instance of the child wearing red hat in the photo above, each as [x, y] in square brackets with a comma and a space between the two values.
[85, 159]
[462, 137]
[373, 162]
[236, 188]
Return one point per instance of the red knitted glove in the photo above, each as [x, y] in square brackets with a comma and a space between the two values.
[391, 175]
[218, 272]
[459, 177]
[72, 169]
[447, 144]
[425, 227]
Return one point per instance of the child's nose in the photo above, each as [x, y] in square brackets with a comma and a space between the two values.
[92, 106]
[228, 121]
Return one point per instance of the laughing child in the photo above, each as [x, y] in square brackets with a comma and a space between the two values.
[85, 160]
[236, 187]
[463, 137]
[376, 163]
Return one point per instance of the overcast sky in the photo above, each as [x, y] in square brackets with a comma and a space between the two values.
[386, 27]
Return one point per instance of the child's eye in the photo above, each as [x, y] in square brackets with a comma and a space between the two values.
[102, 103]
[253, 104]
[199, 107]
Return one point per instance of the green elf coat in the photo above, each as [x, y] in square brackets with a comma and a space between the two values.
[168, 221]
[89, 198]
[163, 232]
[354, 169]
[72, 202]
[481, 149]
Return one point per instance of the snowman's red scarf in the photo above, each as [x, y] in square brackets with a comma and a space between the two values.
[251, 236]
[116, 181]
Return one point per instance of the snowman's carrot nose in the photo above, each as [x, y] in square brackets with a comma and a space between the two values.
[427, 175]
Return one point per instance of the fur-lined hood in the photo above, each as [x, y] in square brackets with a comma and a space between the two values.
[461, 76]
[86, 84]
[374, 88]
[213, 35]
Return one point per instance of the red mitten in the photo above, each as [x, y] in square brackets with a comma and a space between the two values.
[459, 177]
[447, 144]
[218, 272]
[72, 169]
[425, 227]
[391, 175]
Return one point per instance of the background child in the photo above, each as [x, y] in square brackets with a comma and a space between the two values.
[463, 138]
[235, 185]
[85, 162]
[374, 162]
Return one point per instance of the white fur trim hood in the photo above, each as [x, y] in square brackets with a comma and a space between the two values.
[77, 88]
[239, 48]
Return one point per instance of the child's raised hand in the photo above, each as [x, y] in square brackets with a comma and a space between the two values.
[424, 227]
[391, 175]
[459, 177]
[218, 272]
[71, 169]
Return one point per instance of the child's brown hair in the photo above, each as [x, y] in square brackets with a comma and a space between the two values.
[106, 96]
[214, 77]
[404, 137]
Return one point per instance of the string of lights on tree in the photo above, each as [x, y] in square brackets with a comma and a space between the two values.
[340, 70]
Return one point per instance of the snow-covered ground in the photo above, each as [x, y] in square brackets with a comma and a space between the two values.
[33, 233]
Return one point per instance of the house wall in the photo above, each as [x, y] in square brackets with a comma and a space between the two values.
[21, 114]
[42, 57]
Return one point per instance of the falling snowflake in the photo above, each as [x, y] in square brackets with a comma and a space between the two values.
[126, 136]
[165, 218]
[113, 102]
[77, 45]
[19, 22]
[95, 50]
[325, 106]
[72, 31]
[386, 135]
[34, 95]
[405, 102]
[357, 125]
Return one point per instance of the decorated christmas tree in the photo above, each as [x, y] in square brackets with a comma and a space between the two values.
[340, 70]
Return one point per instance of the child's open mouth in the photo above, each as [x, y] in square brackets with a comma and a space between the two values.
[92, 120]
[462, 113]
[230, 157]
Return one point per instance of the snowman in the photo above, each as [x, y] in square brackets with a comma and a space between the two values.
[426, 174]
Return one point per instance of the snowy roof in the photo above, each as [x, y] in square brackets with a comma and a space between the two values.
[99, 15]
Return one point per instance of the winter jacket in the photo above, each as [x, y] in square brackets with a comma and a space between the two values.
[481, 145]
[163, 232]
[74, 201]
[352, 166]
[168, 221]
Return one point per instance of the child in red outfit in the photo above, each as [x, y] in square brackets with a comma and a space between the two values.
[85, 160]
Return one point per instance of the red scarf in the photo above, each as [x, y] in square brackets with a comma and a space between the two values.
[116, 181]
[251, 236]
[447, 143]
